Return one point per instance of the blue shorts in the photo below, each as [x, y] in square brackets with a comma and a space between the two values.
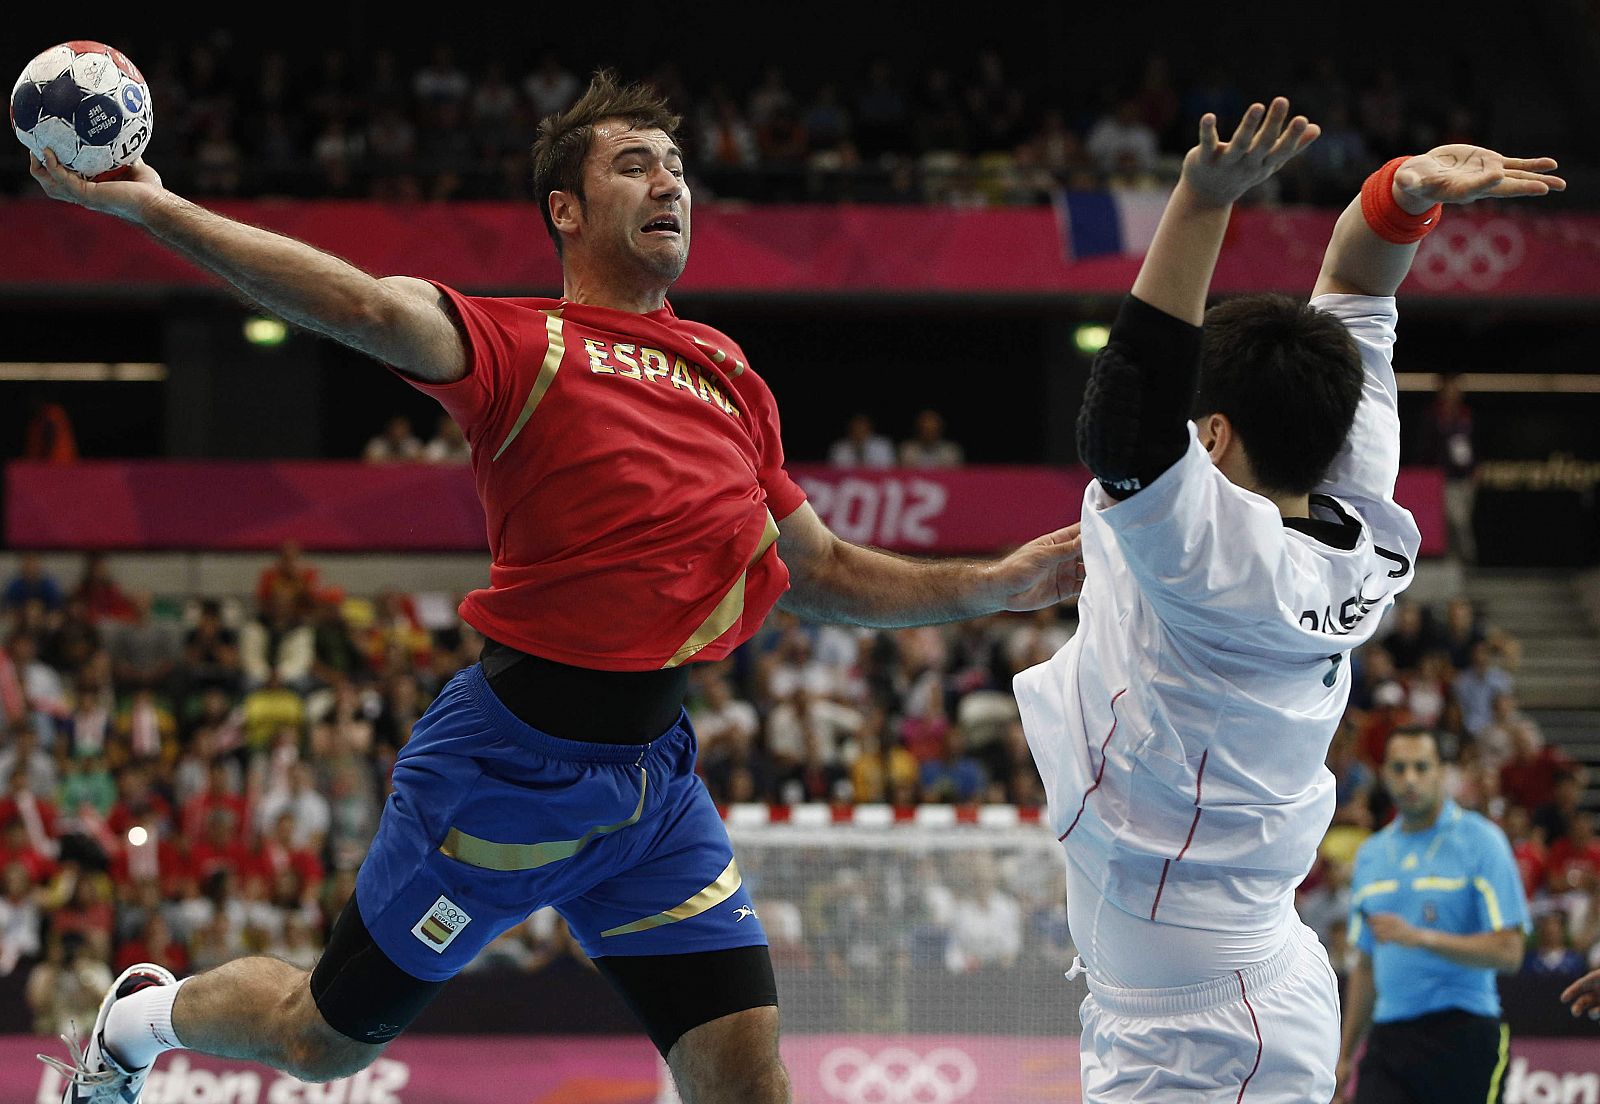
[490, 819]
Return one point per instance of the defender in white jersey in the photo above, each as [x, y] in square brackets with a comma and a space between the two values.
[1232, 562]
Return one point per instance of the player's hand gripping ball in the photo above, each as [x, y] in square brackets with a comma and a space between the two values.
[88, 103]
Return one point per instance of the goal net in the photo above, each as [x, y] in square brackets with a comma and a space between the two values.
[918, 961]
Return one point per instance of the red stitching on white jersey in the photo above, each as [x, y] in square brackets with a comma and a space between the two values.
[1193, 824]
[1099, 774]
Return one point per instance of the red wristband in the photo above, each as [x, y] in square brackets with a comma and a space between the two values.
[1388, 219]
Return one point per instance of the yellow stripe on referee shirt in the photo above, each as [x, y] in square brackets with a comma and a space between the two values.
[1442, 884]
[727, 612]
[1490, 901]
[726, 885]
[1372, 889]
[555, 349]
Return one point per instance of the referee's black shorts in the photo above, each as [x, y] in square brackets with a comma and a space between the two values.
[1444, 1056]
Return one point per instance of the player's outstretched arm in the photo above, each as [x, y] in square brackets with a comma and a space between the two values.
[399, 320]
[1133, 422]
[831, 579]
[1401, 199]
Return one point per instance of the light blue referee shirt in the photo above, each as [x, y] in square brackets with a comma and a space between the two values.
[1457, 877]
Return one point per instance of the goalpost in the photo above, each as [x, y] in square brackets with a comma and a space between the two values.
[920, 958]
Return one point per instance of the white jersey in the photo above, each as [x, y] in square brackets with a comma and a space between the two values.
[1181, 732]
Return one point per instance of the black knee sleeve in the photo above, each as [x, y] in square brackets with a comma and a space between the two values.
[360, 993]
[672, 994]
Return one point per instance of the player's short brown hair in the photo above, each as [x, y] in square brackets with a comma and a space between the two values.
[1288, 376]
[565, 138]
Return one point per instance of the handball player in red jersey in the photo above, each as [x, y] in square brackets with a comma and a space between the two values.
[640, 519]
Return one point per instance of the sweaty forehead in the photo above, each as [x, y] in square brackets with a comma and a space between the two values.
[612, 136]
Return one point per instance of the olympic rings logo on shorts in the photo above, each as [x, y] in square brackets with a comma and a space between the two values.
[898, 1075]
[1472, 255]
[451, 915]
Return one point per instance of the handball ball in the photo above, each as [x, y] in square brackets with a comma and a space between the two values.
[88, 103]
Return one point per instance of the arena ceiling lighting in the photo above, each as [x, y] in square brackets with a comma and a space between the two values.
[83, 371]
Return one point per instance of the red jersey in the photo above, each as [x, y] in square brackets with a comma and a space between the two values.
[1530, 858]
[11, 809]
[169, 865]
[206, 858]
[1531, 782]
[631, 476]
[172, 956]
[273, 859]
[1570, 866]
[198, 809]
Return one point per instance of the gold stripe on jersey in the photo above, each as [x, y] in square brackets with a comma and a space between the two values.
[487, 855]
[1438, 883]
[555, 349]
[719, 357]
[726, 885]
[728, 611]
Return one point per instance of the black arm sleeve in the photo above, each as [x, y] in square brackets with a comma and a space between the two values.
[1133, 424]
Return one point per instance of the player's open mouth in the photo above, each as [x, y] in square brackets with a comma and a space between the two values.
[662, 224]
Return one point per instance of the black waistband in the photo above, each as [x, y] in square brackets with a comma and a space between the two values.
[579, 703]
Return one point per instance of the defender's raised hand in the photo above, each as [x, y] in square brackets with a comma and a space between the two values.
[1176, 272]
[1462, 173]
[1264, 141]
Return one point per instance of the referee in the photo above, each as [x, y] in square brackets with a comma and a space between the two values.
[1436, 910]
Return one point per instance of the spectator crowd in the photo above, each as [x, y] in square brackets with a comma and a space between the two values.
[243, 121]
[861, 445]
[190, 778]
[1447, 670]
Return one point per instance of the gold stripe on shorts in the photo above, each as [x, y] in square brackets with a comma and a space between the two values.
[726, 885]
[488, 855]
[728, 611]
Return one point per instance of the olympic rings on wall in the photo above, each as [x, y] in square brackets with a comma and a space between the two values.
[1468, 254]
[898, 1075]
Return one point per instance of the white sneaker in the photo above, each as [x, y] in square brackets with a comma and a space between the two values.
[94, 1076]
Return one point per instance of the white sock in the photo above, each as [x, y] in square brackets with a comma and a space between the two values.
[139, 1027]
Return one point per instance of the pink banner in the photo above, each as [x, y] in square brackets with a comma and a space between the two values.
[1501, 252]
[975, 509]
[223, 506]
[824, 1069]
[1421, 490]
[348, 506]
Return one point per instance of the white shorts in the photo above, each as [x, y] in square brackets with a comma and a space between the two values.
[1268, 1034]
